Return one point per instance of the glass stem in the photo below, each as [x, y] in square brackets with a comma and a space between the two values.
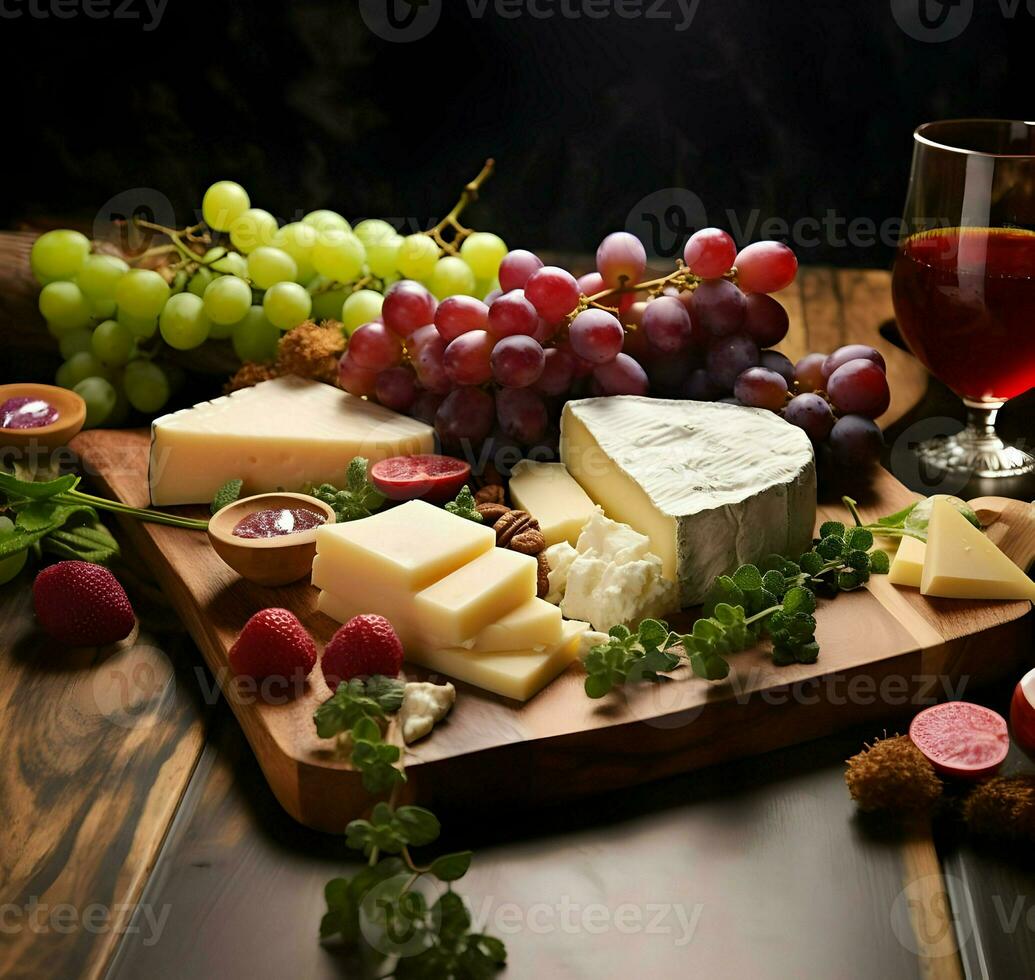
[981, 418]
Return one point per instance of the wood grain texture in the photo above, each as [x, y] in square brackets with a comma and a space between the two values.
[560, 743]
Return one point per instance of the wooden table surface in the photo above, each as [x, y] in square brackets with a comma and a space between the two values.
[140, 839]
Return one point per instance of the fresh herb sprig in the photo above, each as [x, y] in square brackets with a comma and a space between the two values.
[424, 941]
[911, 521]
[227, 494]
[356, 500]
[465, 506]
[776, 599]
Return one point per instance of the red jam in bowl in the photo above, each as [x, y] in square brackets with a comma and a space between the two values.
[277, 523]
[27, 413]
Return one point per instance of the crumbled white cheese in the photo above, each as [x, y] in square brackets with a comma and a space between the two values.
[423, 705]
[559, 556]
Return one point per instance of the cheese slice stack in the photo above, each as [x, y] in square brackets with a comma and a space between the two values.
[280, 434]
[459, 604]
[713, 486]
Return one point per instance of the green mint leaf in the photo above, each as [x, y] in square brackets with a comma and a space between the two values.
[344, 709]
[723, 589]
[227, 494]
[377, 763]
[366, 729]
[653, 633]
[774, 582]
[811, 563]
[620, 632]
[386, 691]
[419, 826]
[451, 867]
[847, 581]
[342, 915]
[454, 919]
[858, 560]
[16, 489]
[859, 539]
[747, 578]
[464, 506]
[709, 666]
[880, 563]
[799, 600]
[831, 546]
[898, 519]
[489, 948]
[832, 529]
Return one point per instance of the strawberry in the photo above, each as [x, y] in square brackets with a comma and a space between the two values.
[273, 643]
[365, 645]
[82, 605]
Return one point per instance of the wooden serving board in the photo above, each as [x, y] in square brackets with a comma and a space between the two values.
[883, 650]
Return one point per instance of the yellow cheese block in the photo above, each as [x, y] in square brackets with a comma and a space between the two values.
[407, 547]
[961, 563]
[907, 567]
[514, 674]
[552, 496]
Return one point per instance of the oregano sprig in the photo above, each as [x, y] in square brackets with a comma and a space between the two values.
[356, 500]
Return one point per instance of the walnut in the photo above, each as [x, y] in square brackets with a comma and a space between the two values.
[491, 494]
[492, 512]
[543, 579]
[519, 531]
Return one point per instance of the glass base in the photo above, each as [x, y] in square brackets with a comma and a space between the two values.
[977, 450]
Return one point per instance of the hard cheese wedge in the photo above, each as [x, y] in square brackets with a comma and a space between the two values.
[961, 563]
[279, 434]
[552, 496]
[713, 486]
[515, 674]
[907, 568]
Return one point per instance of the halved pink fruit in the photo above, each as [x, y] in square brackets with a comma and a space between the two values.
[961, 739]
[1022, 714]
[436, 479]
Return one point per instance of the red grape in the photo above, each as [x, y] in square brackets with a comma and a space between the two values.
[766, 267]
[759, 387]
[621, 259]
[700, 387]
[522, 414]
[596, 336]
[622, 376]
[765, 320]
[710, 253]
[466, 359]
[516, 267]
[466, 414]
[458, 314]
[775, 361]
[374, 347]
[808, 372]
[591, 283]
[517, 361]
[859, 387]
[811, 413]
[512, 314]
[580, 366]
[633, 316]
[728, 356]
[852, 352]
[492, 296]
[421, 336]
[430, 367]
[553, 292]
[407, 306]
[667, 325]
[668, 374]
[719, 306]
[354, 379]
[544, 331]
[856, 441]
[396, 388]
[558, 372]
[426, 406]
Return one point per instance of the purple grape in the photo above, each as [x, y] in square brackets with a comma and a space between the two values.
[812, 414]
[700, 387]
[850, 353]
[775, 361]
[667, 325]
[622, 376]
[859, 387]
[856, 441]
[720, 307]
[728, 356]
[758, 387]
[521, 413]
[765, 320]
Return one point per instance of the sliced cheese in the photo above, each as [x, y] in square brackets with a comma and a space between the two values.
[552, 496]
[962, 563]
[907, 567]
[713, 486]
[537, 623]
[279, 434]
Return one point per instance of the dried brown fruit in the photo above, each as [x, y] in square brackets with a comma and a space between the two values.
[492, 512]
[312, 350]
[519, 531]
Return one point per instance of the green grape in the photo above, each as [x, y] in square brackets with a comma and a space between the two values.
[287, 304]
[383, 255]
[298, 241]
[120, 411]
[483, 287]
[113, 343]
[77, 368]
[75, 342]
[252, 228]
[373, 230]
[201, 280]
[13, 564]
[100, 398]
[183, 322]
[418, 256]
[147, 386]
[142, 327]
[267, 266]
[255, 338]
[231, 264]
[361, 307]
[324, 220]
[327, 303]
[64, 306]
[452, 277]
[227, 299]
[58, 254]
[142, 293]
[103, 309]
[339, 255]
[100, 275]
[483, 252]
[224, 202]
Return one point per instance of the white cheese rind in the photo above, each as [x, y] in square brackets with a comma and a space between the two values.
[279, 434]
[712, 485]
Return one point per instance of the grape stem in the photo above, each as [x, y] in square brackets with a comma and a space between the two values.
[451, 220]
[680, 277]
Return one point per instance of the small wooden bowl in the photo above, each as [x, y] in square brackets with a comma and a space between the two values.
[268, 561]
[71, 415]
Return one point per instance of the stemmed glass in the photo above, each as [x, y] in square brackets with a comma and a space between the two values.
[964, 280]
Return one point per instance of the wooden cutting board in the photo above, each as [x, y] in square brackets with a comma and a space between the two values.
[885, 651]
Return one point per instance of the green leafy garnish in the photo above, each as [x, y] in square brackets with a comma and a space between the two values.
[227, 494]
[358, 499]
[465, 506]
[911, 521]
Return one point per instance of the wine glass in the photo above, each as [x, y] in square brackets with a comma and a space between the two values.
[964, 280]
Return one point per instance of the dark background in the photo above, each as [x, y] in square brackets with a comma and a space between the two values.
[786, 109]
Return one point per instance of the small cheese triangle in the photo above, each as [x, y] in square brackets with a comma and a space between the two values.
[961, 563]
[908, 566]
